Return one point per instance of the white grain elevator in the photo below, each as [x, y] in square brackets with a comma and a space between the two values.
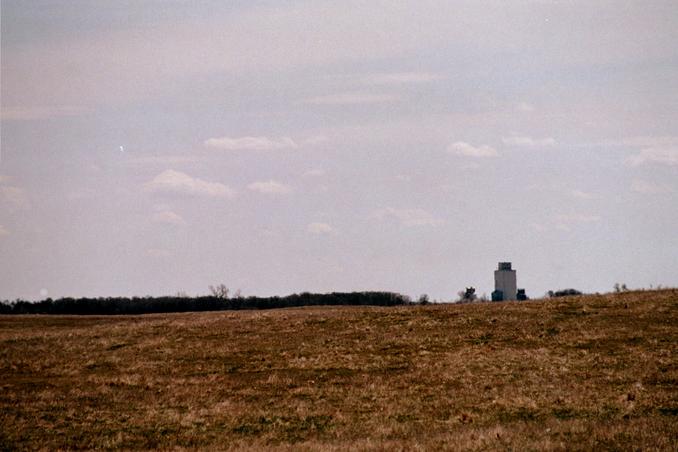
[505, 286]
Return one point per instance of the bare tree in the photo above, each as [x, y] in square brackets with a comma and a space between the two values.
[468, 295]
[220, 291]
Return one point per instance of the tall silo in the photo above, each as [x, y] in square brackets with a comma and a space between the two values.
[505, 281]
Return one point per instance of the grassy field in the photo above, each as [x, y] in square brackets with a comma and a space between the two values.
[592, 372]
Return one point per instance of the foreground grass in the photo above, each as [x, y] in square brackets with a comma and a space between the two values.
[594, 372]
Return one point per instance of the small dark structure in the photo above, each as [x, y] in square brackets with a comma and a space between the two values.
[497, 295]
[504, 266]
[521, 295]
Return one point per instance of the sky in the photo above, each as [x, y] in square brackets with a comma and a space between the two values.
[155, 147]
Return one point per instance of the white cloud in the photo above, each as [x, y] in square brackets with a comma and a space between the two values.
[115, 63]
[319, 228]
[578, 218]
[164, 160]
[158, 252]
[470, 166]
[351, 99]
[581, 194]
[467, 150]
[408, 217]
[640, 142]
[525, 107]
[81, 194]
[316, 139]
[538, 227]
[40, 112]
[659, 155]
[167, 217]
[14, 196]
[528, 141]
[3, 231]
[270, 187]
[251, 143]
[400, 78]
[565, 222]
[177, 183]
[315, 172]
[649, 188]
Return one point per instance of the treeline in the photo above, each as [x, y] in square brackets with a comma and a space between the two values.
[148, 305]
[564, 293]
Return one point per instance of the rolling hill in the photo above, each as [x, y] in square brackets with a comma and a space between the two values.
[585, 372]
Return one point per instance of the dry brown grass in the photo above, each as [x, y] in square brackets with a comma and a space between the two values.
[594, 372]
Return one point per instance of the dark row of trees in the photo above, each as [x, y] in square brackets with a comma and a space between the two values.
[214, 302]
[563, 293]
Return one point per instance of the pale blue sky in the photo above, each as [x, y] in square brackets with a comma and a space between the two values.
[282, 147]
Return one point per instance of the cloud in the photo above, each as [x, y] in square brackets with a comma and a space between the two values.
[40, 112]
[315, 172]
[400, 78]
[172, 182]
[139, 58]
[525, 107]
[251, 143]
[640, 142]
[319, 228]
[564, 221]
[581, 194]
[3, 231]
[408, 217]
[14, 196]
[162, 160]
[578, 218]
[316, 139]
[351, 99]
[528, 141]
[270, 187]
[167, 217]
[158, 252]
[660, 155]
[467, 150]
[471, 166]
[649, 188]
[81, 194]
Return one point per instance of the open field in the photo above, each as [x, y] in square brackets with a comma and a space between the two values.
[592, 372]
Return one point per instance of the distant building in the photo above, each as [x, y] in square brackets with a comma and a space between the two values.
[505, 286]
